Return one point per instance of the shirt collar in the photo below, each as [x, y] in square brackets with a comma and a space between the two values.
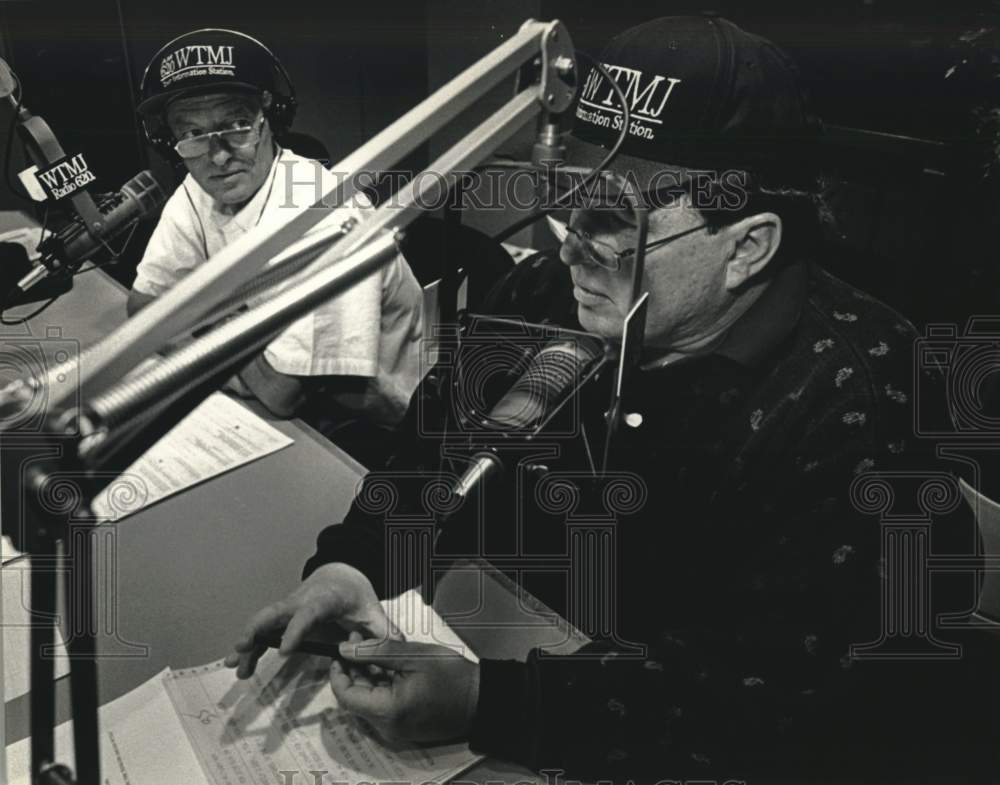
[769, 320]
[765, 324]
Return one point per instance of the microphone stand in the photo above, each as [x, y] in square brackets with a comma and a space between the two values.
[49, 526]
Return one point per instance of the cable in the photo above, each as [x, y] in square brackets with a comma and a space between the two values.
[10, 143]
[139, 134]
[45, 225]
[17, 322]
[590, 176]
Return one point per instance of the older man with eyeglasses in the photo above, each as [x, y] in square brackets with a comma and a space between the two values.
[218, 102]
[759, 626]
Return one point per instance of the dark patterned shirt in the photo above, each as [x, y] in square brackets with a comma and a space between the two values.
[744, 569]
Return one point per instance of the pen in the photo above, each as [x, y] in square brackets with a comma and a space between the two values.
[319, 648]
[324, 649]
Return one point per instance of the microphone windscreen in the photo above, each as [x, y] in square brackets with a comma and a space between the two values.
[552, 372]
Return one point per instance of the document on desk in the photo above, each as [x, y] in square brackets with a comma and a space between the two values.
[142, 743]
[202, 726]
[219, 435]
[286, 719]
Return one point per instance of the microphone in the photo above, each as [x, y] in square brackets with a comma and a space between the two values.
[75, 243]
[552, 376]
[550, 147]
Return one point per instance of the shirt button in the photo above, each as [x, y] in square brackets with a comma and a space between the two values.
[633, 419]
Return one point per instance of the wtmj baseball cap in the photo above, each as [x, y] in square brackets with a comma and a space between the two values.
[204, 61]
[702, 93]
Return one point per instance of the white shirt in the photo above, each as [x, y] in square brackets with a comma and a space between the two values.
[370, 330]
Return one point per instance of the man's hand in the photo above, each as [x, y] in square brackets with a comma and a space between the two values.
[429, 692]
[235, 385]
[333, 593]
[280, 393]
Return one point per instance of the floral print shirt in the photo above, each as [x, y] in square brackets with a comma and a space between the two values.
[747, 632]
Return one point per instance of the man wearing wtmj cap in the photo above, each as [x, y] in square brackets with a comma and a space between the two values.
[218, 101]
[745, 636]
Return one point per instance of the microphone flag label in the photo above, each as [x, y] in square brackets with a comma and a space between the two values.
[29, 179]
[65, 177]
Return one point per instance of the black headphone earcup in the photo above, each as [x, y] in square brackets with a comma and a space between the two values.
[281, 113]
[160, 140]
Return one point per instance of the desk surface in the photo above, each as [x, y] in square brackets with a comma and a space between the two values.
[185, 574]
[188, 571]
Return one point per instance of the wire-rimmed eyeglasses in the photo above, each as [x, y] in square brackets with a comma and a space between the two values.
[604, 254]
[242, 136]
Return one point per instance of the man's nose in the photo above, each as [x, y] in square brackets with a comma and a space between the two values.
[572, 251]
[219, 151]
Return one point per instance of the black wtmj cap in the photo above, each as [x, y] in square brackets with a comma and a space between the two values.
[205, 61]
[703, 94]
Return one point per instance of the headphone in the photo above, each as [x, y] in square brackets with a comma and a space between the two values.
[279, 113]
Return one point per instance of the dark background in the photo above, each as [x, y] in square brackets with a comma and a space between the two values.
[917, 211]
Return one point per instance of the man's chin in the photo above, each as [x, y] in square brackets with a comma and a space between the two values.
[235, 194]
[232, 201]
[598, 323]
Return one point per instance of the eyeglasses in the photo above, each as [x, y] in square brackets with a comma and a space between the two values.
[243, 136]
[604, 254]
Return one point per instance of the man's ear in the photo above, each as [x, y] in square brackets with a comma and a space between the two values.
[754, 242]
[266, 99]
